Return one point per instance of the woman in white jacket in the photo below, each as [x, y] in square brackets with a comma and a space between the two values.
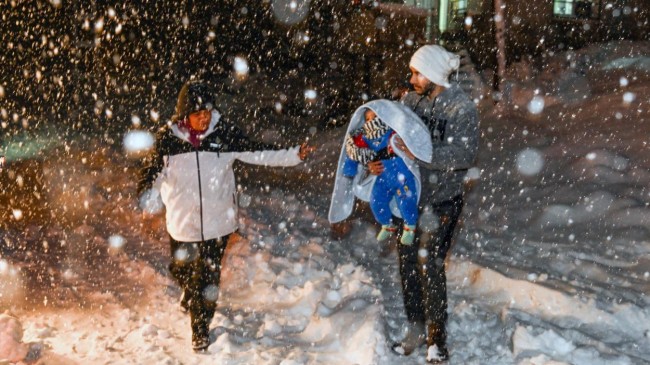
[191, 168]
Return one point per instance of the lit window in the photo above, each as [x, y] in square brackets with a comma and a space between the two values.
[459, 8]
[563, 7]
[573, 8]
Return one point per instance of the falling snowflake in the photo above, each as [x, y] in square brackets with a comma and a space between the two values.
[623, 81]
[137, 141]
[17, 213]
[311, 94]
[240, 65]
[116, 241]
[154, 115]
[529, 162]
[211, 293]
[245, 200]
[536, 105]
[629, 97]
[136, 121]
[181, 254]
[290, 11]
[99, 25]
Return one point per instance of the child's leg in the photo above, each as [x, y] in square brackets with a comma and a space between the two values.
[206, 276]
[380, 198]
[407, 202]
[399, 183]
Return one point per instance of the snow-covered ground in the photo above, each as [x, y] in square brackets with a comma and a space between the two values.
[551, 263]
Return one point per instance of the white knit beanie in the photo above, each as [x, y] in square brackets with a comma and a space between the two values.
[435, 63]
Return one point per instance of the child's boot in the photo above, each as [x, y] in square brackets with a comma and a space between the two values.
[387, 230]
[408, 234]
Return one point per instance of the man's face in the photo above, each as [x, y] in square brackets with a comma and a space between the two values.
[420, 83]
[200, 120]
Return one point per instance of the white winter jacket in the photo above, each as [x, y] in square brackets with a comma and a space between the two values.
[197, 185]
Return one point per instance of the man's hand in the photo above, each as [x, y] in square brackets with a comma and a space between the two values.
[399, 143]
[375, 167]
[305, 150]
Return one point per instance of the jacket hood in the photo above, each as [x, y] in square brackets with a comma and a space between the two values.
[194, 96]
[183, 134]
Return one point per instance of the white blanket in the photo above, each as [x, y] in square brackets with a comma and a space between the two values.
[414, 134]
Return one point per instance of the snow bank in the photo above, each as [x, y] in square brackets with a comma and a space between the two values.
[11, 284]
[574, 76]
[11, 334]
[582, 324]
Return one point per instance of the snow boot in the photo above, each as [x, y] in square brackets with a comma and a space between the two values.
[414, 338]
[408, 234]
[200, 345]
[185, 301]
[436, 355]
[387, 230]
[200, 338]
[437, 352]
[201, 313]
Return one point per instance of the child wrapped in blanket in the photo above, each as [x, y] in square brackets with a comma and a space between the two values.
[396, 190]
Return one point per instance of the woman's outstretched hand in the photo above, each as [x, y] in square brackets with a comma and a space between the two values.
[305, 150]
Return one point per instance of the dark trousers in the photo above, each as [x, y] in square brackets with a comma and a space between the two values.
[196, 267]
[422, 266]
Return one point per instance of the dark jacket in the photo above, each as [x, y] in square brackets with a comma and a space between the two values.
[452, 119]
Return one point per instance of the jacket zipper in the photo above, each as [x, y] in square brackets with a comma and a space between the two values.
[198, 172]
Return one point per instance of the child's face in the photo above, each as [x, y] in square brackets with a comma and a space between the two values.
[370, 115]
[200, 120]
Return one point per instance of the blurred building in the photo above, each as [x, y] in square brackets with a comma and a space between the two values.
[531, 26]
[98, 64]
[385, 33]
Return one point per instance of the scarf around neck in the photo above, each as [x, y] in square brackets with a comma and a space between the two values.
[194, 136]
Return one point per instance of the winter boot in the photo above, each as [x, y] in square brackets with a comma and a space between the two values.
[387, 230]
[437, 352]
[414, 338]
[408, 234]
[200, 337]
[185, 301]
[200, 317]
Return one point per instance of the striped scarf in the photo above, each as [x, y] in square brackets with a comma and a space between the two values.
[356, 148]
[374, 128]
[355, 151]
